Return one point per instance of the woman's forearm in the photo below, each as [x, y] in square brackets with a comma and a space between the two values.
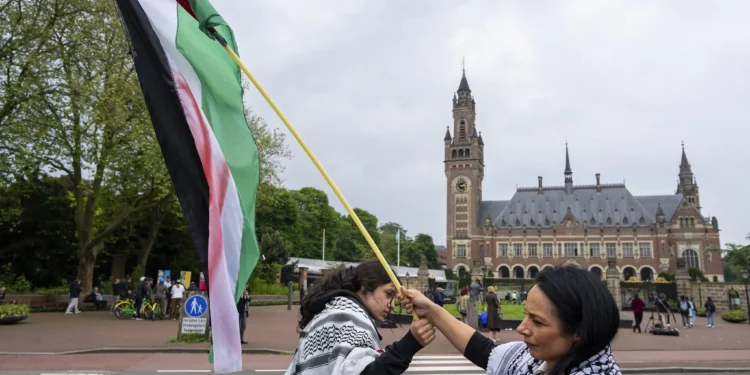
[457, 332]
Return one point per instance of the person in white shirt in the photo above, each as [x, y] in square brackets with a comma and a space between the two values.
[177, 290]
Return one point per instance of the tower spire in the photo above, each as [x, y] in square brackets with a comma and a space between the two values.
[568, 172]
[684, 164]
[464, 85]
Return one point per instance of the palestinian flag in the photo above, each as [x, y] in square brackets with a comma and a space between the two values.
[194, 95]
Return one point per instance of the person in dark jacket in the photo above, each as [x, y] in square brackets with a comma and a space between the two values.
[337, 333]
[244, 311]
[439, 297]
[75, 293]
[119, 292]
[637, 305]
[128, 288]
[143, 292]
[710, 310]
[494, 321]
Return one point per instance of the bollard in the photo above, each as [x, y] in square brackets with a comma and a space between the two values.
[291, 290]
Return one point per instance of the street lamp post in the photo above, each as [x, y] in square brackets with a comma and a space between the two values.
[700, 296]
[745, 275]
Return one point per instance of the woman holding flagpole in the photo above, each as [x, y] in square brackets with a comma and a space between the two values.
[337, 334]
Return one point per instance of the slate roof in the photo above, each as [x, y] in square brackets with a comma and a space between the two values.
[613, 205]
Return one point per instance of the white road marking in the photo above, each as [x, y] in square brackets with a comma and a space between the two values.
[444, 368]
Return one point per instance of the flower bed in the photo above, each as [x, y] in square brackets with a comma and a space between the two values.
[734, 316]
[11, 313]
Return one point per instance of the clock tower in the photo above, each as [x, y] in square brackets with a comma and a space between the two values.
[464, 171]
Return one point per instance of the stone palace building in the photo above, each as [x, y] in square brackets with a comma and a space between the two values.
[585, 224]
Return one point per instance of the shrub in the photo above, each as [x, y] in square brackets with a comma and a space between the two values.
[700, 311]
[734, 316]
[12, 309]
[20, 285]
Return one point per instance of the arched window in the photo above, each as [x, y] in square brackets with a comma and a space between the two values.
[692, 222]
[691, 258]
[454, 154]
[597, 271]
[642, 220]
[533, 271]
[461, 153]
[609, 221]
[518, 272]
[468, 153]
[647, 274]
[628, 272]
[504, 272]
[625, 221]
[462, 129]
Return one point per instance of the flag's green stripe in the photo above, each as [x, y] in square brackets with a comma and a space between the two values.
[223, 106]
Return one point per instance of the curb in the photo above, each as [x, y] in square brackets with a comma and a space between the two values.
[147, 350]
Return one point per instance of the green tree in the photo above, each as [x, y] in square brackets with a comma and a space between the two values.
[26, 50]
[315, 214]
[92, 127]
[415, 249]
[388, 244]
[352, 245]
[737, 256]
[37, 229]
[275, 255]
[277, 210]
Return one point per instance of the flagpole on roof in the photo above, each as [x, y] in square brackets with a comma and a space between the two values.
[314, 159]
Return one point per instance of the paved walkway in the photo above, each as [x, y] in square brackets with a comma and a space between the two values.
[274, 327]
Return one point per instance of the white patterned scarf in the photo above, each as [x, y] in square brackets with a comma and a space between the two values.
[340, 340]
[513, 358]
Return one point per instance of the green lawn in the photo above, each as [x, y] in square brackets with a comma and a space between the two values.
[509, 311]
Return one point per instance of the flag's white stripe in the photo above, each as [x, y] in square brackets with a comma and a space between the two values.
[228, 354]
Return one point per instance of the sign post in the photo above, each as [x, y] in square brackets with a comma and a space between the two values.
[194, 314]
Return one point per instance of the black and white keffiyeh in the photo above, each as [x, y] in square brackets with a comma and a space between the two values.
[341, 339]
[514, 358]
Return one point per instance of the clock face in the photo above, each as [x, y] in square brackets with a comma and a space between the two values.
[461, 186]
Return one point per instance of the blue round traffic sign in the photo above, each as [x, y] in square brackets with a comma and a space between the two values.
[196, 306]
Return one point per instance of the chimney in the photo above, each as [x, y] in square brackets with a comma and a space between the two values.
[598, 182]
[539, 189]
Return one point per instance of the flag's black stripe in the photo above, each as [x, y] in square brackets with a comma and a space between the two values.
[170, 124]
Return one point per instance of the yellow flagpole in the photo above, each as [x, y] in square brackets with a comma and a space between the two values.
[315, 161]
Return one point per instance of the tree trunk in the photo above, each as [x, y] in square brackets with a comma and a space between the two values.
[148, 242]
[86, 265]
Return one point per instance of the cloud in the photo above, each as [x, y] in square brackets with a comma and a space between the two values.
[369, 86]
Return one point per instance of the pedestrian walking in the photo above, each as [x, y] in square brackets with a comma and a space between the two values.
[161, 296]
[74, 294]
[637, 305]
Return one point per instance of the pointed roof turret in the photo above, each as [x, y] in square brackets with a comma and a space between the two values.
[659, 211]
[481, 142]
[474, 132]
[447, 134]
[684, 164]
[568, 172]
[464, 85]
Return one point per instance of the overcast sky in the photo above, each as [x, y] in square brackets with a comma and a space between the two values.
[369, 86]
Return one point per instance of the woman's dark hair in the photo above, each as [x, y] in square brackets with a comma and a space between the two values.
[367, 276]
[464, 290]
[585, 308]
